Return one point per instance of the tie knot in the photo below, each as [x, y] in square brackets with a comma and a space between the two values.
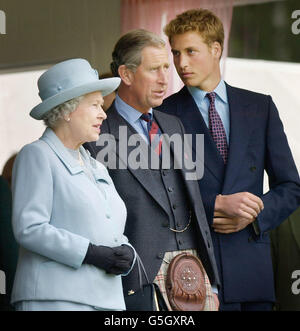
[211, 96]
[146, 117]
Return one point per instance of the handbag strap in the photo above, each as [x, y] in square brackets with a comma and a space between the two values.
[159, 301]
[141, 269]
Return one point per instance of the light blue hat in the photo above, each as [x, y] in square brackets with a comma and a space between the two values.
[67, 80]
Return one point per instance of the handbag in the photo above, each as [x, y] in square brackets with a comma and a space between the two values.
[185, 284]
[148, 297]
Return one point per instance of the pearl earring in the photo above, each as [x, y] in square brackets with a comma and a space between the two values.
[68, 119]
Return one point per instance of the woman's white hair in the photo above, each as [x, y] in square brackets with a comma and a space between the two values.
[59, 112]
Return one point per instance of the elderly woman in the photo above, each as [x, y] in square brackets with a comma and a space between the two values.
[67, 216]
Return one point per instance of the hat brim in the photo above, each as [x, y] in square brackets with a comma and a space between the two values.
[105, 86]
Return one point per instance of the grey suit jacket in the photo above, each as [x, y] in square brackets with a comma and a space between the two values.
[140, 192]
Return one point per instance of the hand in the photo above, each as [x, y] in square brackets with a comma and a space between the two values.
[125, 256]
[229, 225]
[239, 205]
[115, 260]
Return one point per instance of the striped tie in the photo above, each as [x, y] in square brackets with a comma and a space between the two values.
[154, 132]
[216, 128]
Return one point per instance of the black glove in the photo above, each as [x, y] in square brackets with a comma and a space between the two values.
[116, 260]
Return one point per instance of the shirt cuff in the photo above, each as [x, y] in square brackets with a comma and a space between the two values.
[214, 289]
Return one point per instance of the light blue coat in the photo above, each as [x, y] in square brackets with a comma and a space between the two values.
[57, 211]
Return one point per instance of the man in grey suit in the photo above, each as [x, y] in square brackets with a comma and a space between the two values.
[165, 210]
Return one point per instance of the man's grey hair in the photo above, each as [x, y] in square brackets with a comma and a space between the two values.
[128, 50]
[59, 112]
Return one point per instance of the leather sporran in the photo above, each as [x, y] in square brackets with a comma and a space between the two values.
[185, 285]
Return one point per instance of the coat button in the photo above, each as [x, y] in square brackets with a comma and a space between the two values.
[174, 206]
[170, 189]
[250, 239]
[165, 224]
[252, 169]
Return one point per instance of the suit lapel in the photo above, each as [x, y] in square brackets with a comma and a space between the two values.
[50, 138]
[164, 125]
[144, 176]
[242, 115]
[190, 184]
[168, 129]
[194, 124]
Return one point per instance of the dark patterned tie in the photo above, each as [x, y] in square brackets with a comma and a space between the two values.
[154, 132]
[216, 128]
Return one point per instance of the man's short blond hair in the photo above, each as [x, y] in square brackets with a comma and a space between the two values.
[209, 26]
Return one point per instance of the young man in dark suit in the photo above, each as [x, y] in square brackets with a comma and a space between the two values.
[243, 136]
[165, 211]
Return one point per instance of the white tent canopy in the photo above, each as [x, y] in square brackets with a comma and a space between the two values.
[19, 94]
[278, 79]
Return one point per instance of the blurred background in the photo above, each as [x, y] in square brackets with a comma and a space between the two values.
[262, 51]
